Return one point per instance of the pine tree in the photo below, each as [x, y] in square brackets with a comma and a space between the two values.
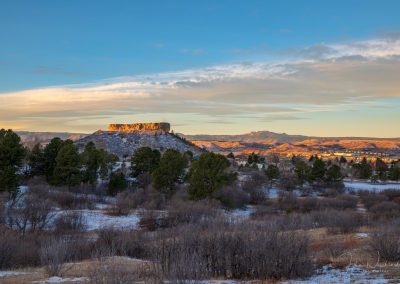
[11, 155]
[334, 174]
[67, 169]
[50, 154]
[208, 174]
[117, 183]
[144, 160]
[171, 168]
[37, 161]
[303, 171]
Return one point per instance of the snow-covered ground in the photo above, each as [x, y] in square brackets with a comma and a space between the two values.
[97, 219]
[351, 274]
[360, 185]
[56, 279]
[12, 273]
[238, 215]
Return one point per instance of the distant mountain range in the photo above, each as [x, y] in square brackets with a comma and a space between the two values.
[262, 142]
[31, 138]
[266, 142]
[268, 137]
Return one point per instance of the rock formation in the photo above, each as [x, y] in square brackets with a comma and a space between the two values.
[123, 139]
[134, 127]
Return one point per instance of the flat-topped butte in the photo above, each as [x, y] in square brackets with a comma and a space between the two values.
[134, 127]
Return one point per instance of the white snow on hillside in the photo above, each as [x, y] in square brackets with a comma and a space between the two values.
[56, 279]
[97, 219]
[12, 273]
[351, 274]
[359, 185]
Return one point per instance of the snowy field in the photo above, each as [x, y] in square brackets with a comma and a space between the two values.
[97, 219]
[360, 185]
[351, 274]
[349, 186]
[11, 273]
[56, 279]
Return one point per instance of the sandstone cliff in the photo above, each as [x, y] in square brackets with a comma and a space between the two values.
[134, 127]
[123, 139]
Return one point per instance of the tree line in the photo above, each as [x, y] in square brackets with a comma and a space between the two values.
[62, 165]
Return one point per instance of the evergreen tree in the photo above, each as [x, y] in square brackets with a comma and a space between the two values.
[381, 169]
[11, 155]
[303, 171]
[318, 169]
[364, 169]
[144, 160]
[95, 163]
[117, 183]
[50, 155]
[208, 174]
[272, 172]
[334, 174]
[253, 158]
[171, 168]
[394, 171]
[231, 156]
[189, 155]
[342, 160]
[37, 161]
[68, 164]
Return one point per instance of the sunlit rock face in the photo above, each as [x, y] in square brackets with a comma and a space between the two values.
[134, 127]
[124, 139]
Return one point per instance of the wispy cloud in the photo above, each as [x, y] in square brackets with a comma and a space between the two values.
[322, 78]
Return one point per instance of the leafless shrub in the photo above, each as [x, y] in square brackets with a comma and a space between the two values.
[370, 199]
[147, 198]
[385, 243]
[181, 212]
[69, 200]
[233, 252]
[391, 194]
[69, 222]
[254, 186]
[333, 190]
[8, 246]
[288, 180]
[339, 221]
[334, 249]
[111, 271]
[340, 202]
[288, 202]
[385, 209]
[127, 200]
[29, 213]
[232, 197]
[53, 255]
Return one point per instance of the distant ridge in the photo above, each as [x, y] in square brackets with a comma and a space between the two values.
[30, 139]
[268, 137]
[262, 142]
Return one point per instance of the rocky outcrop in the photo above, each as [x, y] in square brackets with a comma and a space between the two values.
[134, 127]
[123, 139]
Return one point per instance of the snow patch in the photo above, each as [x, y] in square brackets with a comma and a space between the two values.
[97, 219]
[12, 273]
[362, 235]
[56, 279]
[351, 274]
[359, 185]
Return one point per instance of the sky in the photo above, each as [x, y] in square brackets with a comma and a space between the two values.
[323, 68]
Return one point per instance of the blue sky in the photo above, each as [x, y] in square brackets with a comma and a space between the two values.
[64, 43]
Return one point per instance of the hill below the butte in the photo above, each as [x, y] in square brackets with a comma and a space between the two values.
[123, 139]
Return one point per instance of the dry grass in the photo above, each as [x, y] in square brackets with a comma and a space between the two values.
[339, 250]
[78, 269]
